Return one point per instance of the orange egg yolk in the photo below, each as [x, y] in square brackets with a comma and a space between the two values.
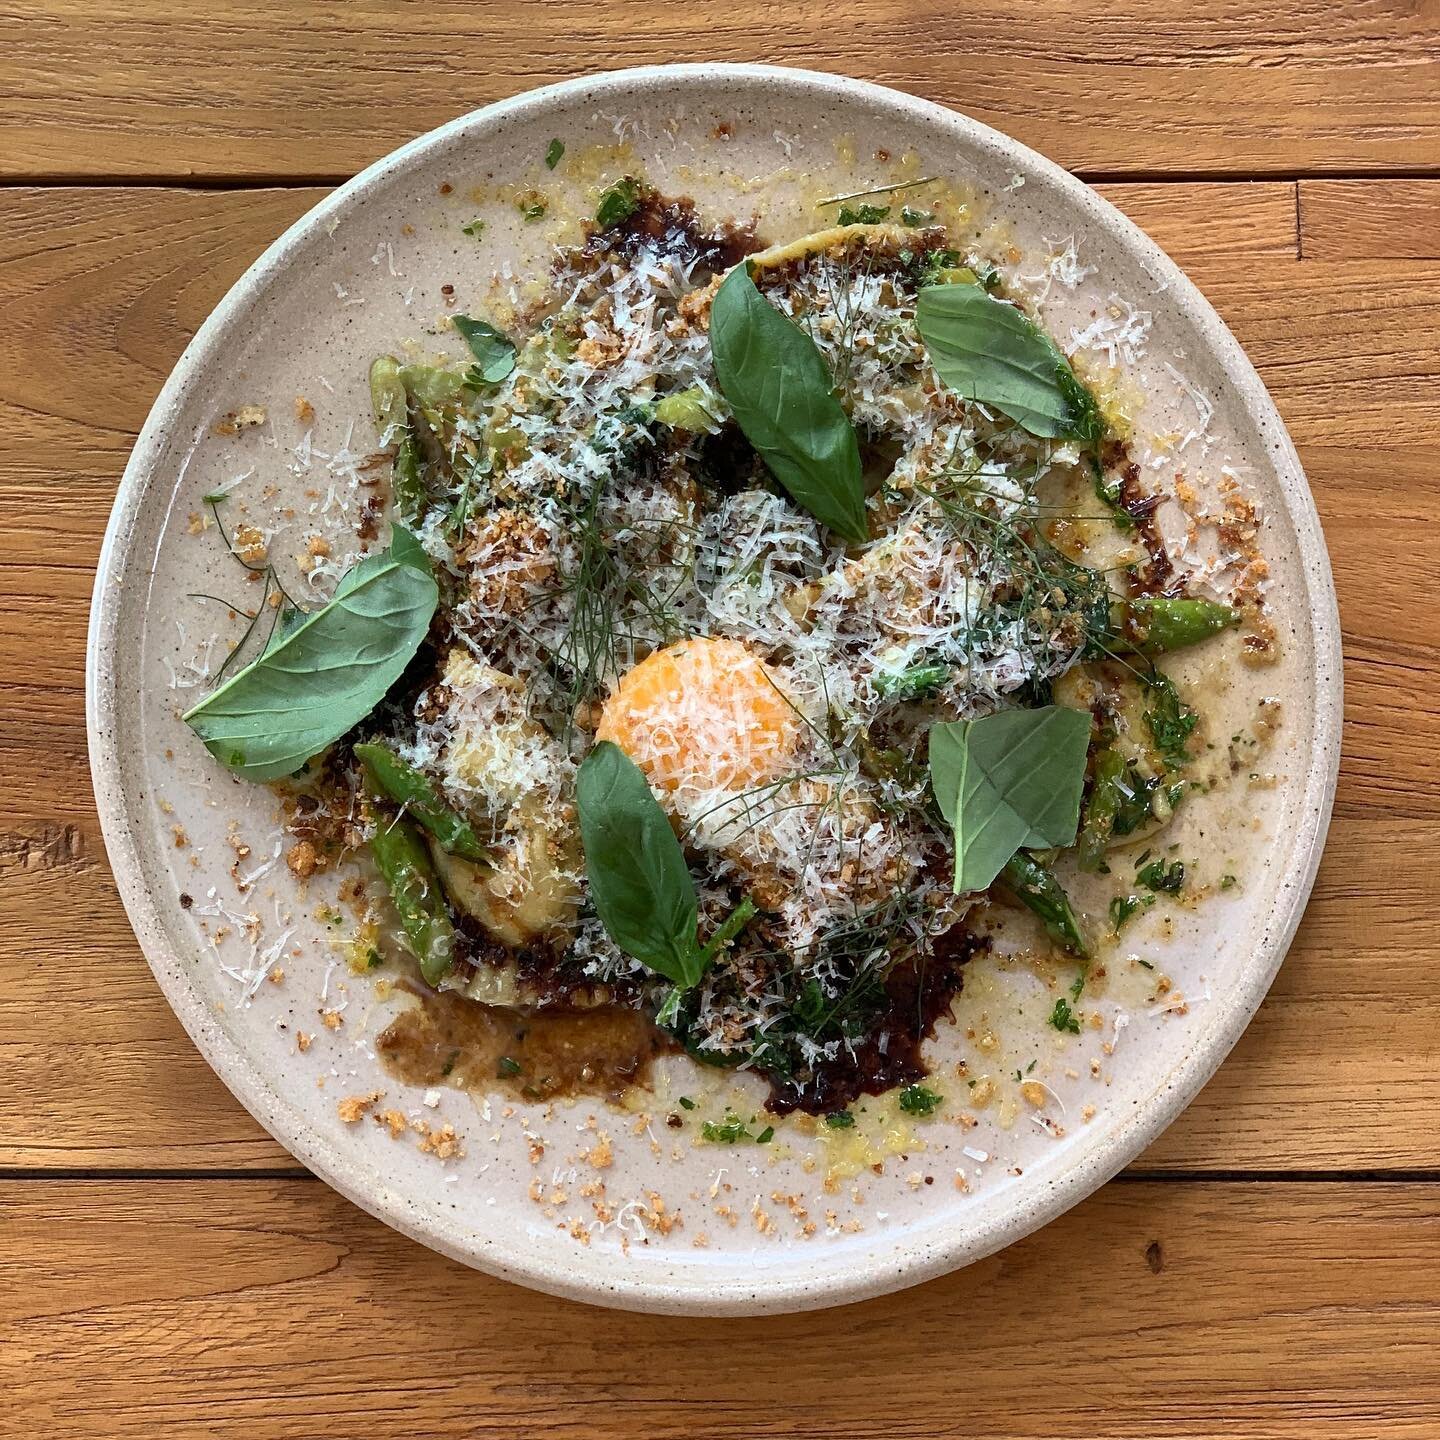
[703, 715]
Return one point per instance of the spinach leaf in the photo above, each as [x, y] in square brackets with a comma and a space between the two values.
[783, 399]
[988, 351]
[327, 672]
[1008, 780]
[493, 350]
[639, 882]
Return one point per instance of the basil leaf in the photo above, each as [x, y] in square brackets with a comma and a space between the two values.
[1008, 780]
[988, 351]
[493, 350]
[639, 882]
[783, 399]
[327, 672]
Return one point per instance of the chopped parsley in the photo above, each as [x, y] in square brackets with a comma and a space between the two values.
[531, 205]
[507, 1067]
[1122, 907]
[553, 153]
[840, 1120]
[917, 1100]
[474, 228]
[731, 1131]
[618, 203]
[1228, 882]
[1063, 1018]
[915, 218]
[862, 214]
[686, 1103]
[1162, 878]
[1171, 721]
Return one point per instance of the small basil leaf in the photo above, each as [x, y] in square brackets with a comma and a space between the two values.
[783, 399]
[639, 882]
[988, 351]
[327, 672]
[493, 351]
[1008, 780]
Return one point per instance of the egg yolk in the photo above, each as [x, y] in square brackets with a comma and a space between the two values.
[703, 715]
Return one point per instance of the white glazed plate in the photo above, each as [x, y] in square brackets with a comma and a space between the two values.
[618, 1207]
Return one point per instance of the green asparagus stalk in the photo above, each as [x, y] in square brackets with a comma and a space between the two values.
[390, 403]
[1156, 625]
[1034, 885]
[404, 865]
[1104, 803]
[421, 799]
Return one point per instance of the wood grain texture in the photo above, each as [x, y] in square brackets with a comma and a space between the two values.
[1342, 220]
[232, 1310]
[1335, 1072]
[239, 88]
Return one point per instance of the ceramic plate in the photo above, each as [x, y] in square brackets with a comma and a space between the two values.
[628, 1205]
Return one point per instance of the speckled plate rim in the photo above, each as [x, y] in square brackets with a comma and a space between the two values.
[893, 1261]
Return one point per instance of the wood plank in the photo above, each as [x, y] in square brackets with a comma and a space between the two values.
[1134, 87]
[1337, 1067]
[1360, 220]
[273, 1307]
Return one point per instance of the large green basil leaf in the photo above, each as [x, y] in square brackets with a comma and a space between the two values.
[783, 398]
[1008, 780]
[988, 351]
[327, 672]
[639, 882]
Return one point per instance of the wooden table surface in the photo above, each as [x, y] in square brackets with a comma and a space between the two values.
[1271, 1268]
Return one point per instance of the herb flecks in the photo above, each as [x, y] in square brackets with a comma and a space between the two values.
[619, 202]
[1063, 1018]
[917, 1100]
[734, 1131]
[1161, 877]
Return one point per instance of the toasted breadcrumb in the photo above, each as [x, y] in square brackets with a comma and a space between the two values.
[244, 418]
[353, 1108]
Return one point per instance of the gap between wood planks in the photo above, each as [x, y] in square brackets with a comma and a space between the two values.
[90, 1174]
[288, 180]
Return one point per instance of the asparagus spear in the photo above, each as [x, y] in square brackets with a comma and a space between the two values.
[405, 867]
[1034, 885]
[1156, 625]
[421, 799]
